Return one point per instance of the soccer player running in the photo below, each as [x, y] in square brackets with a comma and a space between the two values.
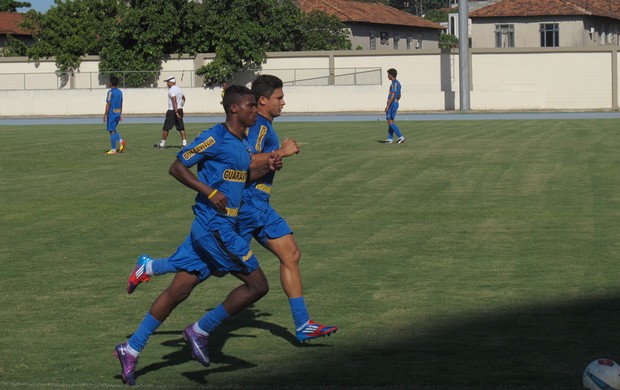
[258, 219]
[213, 246]
[113, 115]
[392, 107]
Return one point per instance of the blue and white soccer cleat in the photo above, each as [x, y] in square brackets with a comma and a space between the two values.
[128, 364]
[198, 344]
[313, 330]
[139, 274]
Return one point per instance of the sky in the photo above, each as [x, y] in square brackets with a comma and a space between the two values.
[39, 5]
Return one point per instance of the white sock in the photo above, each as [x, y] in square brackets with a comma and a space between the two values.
[184, 142]
[162, 143]
[132, 351]
[198, 330]
[149, 268]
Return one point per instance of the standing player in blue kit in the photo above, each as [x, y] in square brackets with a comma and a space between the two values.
[113, 115]
[392, 106]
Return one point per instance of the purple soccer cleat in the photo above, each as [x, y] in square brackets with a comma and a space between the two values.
[128, 364]
[198, 343]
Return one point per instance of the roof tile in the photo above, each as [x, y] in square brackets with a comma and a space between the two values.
[512, 8]
[350, 11]
[9, 24]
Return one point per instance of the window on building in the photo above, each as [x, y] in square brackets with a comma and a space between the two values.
[396, 41]
[418, 44]
[409, 42]
[385, 38]
[504, 35]
[550, 35]
[373, 40]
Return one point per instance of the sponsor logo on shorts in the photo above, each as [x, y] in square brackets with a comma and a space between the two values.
[231, 212]
[247, 256]
[199, 148]
[264, 188]
[233, 175]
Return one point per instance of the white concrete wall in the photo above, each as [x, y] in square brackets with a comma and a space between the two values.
[501, 79]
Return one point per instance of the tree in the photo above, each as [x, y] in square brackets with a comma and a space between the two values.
[141, 36]
[447, 41]
[13, 47]
[70, 30]
[243, 31]
[324, 32]
[133, 37]
[437, 15]
[12, 6]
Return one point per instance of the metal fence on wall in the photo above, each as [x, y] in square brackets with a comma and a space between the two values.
[185, 78]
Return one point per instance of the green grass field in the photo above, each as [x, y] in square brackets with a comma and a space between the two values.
[477, 255]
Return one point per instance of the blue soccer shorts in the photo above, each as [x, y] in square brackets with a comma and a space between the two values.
[390, 115]
[206, 252]
[261, 224]
[113, 121]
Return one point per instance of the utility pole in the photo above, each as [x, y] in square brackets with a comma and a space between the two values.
[464, 55]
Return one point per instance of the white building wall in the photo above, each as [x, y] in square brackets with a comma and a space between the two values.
[501, 79]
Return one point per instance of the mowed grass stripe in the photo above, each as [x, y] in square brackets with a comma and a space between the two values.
[469, 257]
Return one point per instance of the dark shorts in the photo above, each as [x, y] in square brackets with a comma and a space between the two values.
[172, 120]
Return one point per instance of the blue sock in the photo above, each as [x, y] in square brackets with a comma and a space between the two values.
[148, 325]
[213, 319]
[162, 266]
[299, 311]
[113, 139]
[390, 132]
[118, 137]
[396, 130]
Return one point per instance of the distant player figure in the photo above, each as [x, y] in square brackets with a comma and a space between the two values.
[392, 107]
[174, 115]
[113, 115]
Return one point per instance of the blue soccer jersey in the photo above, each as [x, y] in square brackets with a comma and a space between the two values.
[394, 90]
[223, 162]
[263, 139]
[257, 218]
[115, 98]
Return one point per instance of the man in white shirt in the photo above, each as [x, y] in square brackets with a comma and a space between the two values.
[174, 115]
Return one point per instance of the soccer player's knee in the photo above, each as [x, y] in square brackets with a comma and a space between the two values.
[178, 295]
[292, 257]
[260, 289]
[295, 256]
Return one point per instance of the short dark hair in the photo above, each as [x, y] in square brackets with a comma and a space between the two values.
[264, 85]
[392, 72]
[233, 95]
[113, 81]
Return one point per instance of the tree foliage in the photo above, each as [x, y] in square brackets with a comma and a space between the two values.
[324, 32]
[447, 41]
[69, 31]
[137, 35]
[12, 5]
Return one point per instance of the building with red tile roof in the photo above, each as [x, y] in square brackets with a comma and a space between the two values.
[376, 26]
[9, 25]
[546, 23]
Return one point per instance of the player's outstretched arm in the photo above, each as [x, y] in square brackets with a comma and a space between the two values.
[187, 177]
